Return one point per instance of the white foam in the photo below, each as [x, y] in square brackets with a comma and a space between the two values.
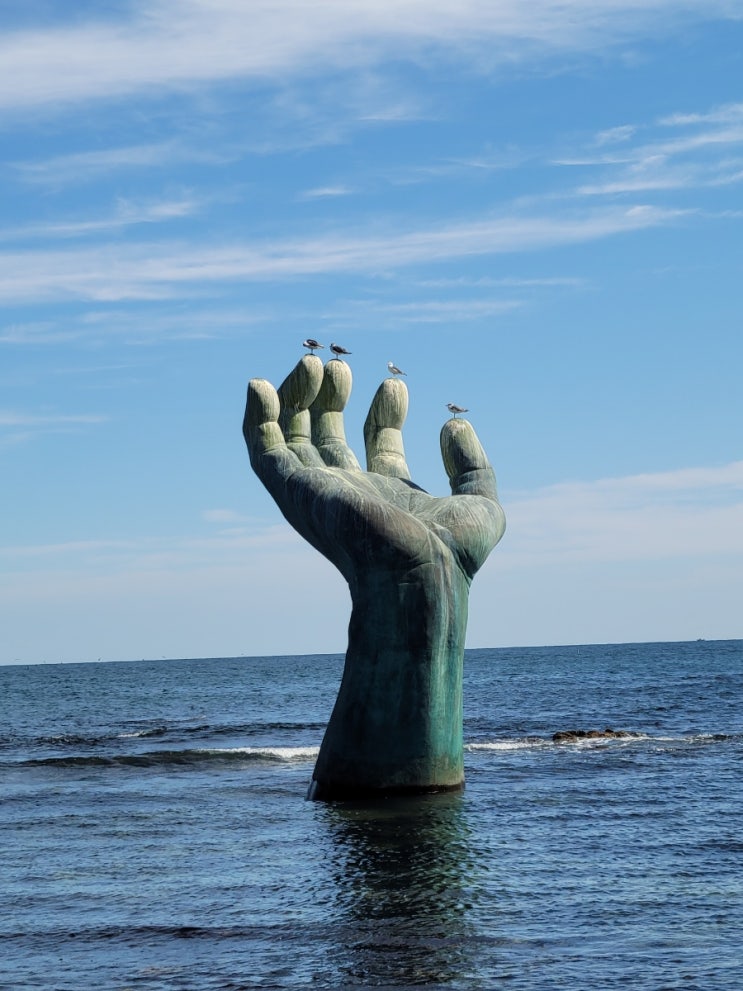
[537, 743]
[517, 744]
[274, 753]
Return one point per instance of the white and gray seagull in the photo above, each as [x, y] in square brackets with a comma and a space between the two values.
[454, 409]
[338, 350]
[312, 344]
[394, 370]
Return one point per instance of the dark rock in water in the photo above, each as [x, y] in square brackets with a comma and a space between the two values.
[571, 735]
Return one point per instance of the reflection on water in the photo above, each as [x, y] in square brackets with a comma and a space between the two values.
[402, 871]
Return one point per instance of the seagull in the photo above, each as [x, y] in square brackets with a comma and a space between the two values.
[453, 409]
[394, 370]
[312, 344]
[338, 350]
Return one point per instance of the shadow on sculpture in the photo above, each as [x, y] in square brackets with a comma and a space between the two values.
[408, 558]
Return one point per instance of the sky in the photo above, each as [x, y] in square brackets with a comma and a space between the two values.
[533, 208]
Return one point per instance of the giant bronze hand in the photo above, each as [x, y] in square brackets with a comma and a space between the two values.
[408, 558]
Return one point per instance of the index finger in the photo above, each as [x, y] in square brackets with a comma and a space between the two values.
[296, 393]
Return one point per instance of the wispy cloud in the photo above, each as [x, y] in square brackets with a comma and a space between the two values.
[127, 213]
[192, 322]
[52, 420]
[111, 273]
[80, 167]
[324, 192]
[20, 428]
[726, 114]
[177, 43]
[444, 311]
[651, 175]
[615, 135]
[507, 282]
[703, 152]
[447, 167]
[149, 552]
[685, 513]
[224, 516]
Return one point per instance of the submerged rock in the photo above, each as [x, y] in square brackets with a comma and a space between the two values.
[571, 735]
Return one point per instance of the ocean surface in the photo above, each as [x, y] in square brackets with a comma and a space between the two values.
[155, 835]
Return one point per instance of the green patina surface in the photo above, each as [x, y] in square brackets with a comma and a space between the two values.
[408, 558]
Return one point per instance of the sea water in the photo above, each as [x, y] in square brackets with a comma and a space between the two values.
[155, 834]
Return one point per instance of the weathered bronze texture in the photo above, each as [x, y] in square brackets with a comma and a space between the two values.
[408, 558]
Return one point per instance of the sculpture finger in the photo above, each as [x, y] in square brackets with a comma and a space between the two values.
[326, 412]
[472, 514]
[271, 459]
[296, 394]
[465, 461]
[385, 453]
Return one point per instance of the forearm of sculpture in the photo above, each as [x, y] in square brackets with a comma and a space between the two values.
[397, 721]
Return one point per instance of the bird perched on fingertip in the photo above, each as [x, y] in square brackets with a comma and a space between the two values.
[338, 350]
[394, 370]
[312, 345]
[454, 409]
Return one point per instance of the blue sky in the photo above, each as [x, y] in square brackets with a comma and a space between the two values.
[533, 208]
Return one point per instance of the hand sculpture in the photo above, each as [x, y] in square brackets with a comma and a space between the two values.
[408, 559]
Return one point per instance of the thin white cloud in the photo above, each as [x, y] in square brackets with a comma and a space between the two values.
[19, 428]
[507, 282]
[690, 159]
[179, 43]
[192, 322]
[675, 177]
[325, 192]
[702, 140]
[224, 516]
[33, 332]
[729, 113]
[9, 418]
[114, 272]
[127, 213]
[695, 512]
[492, 161]
[80, 167]
[148, 552]
[444, 311]
[615, 135]
[645, 178]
